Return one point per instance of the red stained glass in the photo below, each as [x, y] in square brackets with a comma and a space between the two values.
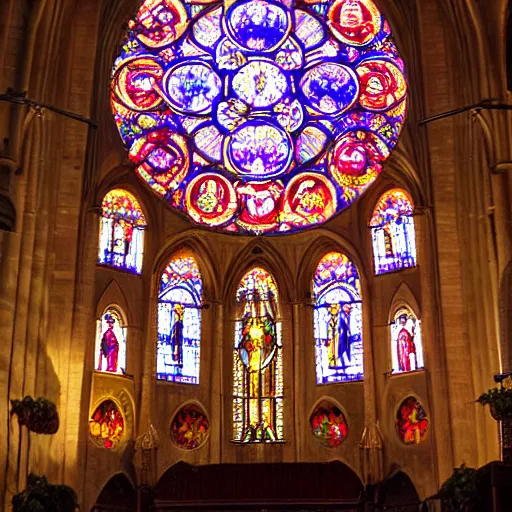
[106, 425]
[328, 424]
[411, 421]
[190, 427]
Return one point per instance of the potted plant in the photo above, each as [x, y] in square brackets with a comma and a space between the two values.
[41, 496]
[39, 416]
[461, 492]
[499, 401]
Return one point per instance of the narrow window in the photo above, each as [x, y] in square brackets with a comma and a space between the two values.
[122, 226]
[179, 321]
[393, 237]
[258, 361]
[406, 346]
[338, 322]
[110, 355]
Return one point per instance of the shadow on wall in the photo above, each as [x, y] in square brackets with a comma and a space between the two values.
[506, 318]
[118, 494]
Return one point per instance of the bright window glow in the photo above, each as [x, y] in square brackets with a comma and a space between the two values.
[122, 227]
[338, 320]
[111, 342]
[179, 321]
[406, 345]
[258, 362]
[411, 421]
[393, 237]
[259, 116]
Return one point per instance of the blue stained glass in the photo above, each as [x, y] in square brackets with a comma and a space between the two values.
[393, 234]
[308, 98]
[338, 320]
[179, 321]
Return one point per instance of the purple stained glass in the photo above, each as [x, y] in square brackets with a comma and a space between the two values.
[299, 102]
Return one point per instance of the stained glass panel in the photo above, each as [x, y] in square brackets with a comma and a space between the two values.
[393, 236]
[411, 421]
[338, 320]
[122, 225]
[190, 427]
[328, 424]
[258, 361]
[406, 343]
[259, 116]
[111, 342]
[179, 321]
[106, 425]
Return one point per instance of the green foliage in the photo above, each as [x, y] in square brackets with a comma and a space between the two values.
[40, 416]
[500, 401]
[460, 493]
[41, 496]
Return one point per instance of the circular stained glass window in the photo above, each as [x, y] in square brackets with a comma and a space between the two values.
[259, 116]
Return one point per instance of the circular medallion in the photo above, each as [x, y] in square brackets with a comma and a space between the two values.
[191, 88]
[190, 427]
[259, 116]
[257, 25]
[328, 424]
[258, 150]
[210, 198]
[411, 421]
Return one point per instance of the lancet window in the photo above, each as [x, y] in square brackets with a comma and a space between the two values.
[338, 321]
[179, 321]
[406, 343]
[122, 225]
[258, 361]
[393, 237]
[111, 342]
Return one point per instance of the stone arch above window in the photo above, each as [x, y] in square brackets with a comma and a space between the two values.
[180, 299]
[122, 225]
[338, 320]
[393, 234]
[257, 361]
[406, 341]
[110, 352]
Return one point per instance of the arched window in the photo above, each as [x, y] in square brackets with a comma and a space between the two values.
[258, 361]
[406, 346]
[338, 320]
[121, 232]
[111, 342]
[394, 241]
[179, 321]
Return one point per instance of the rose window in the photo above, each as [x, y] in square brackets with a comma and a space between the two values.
[259, 116]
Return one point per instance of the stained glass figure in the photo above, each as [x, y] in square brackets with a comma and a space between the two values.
[411, 421]
[190, 427]
[258, 361]
[406, 345]
[328, 424]
[393, 236]
[338, 323]
[122, 228]
[106, 425]
[111, 342]
[179, 321]
[259, 116]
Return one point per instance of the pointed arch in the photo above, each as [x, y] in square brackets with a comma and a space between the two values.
[180, 298]
[338, 320]
[122, 225]
[257, 361]
[393, 234]
[111, 334]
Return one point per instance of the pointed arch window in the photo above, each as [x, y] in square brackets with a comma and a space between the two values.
[122, 226]
[393, 236]
[110, 353]
[406, 343]
[258, 361]
[338, 320]
[179, 321]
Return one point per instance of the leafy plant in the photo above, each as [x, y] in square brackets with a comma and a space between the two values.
[461, 493]
[41, 496]
[40, 416]
[500, 402]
